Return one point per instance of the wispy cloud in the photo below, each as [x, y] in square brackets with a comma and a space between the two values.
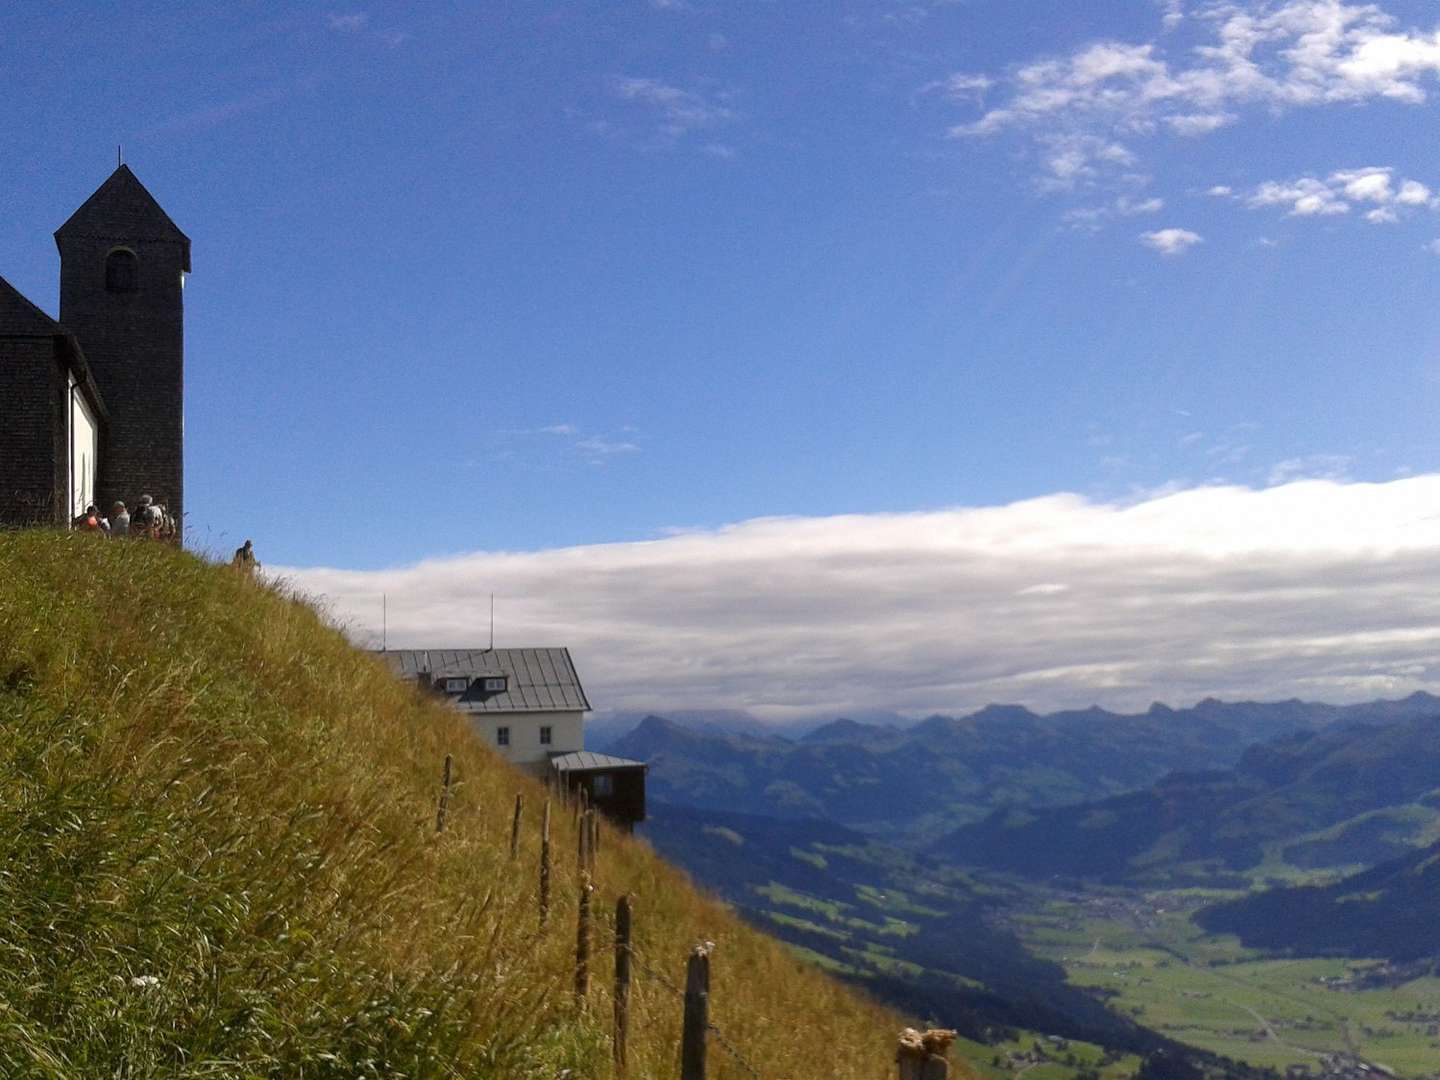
[358, 23]
[1274, 56]
[677, 111]
[1092, 217]
[1171, 242]
[554, 444]
[1311, 467]
[1316, 589]
[599, 450]
[348, 22]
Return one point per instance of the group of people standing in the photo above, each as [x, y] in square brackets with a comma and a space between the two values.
[150, 521]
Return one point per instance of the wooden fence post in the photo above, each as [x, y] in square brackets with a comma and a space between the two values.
[697, 1015]
[515, 827]
[545, 864]
[921, 1056]
[582, 834]
[622, 982]
[594, 837]
[444, 798]
[582, 940]
[587, 842]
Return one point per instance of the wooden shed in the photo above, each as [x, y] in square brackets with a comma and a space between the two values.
[613, 785]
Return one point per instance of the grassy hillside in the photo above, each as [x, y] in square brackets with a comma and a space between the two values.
[219, 858]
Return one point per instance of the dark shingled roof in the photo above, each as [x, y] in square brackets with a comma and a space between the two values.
[121, 209]
[537, 680]
[20, 318]
[589, 761]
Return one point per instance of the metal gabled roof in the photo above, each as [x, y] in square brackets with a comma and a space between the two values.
[589, 761]
[536, 680]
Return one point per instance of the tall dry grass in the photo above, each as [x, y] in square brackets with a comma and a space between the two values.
[218, 858]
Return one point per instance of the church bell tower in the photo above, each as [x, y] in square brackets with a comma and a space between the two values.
[122, 267]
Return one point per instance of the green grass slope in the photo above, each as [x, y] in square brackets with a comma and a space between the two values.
[218, 857]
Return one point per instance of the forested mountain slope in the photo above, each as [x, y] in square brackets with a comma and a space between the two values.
[1391, 910]
[1350, 795]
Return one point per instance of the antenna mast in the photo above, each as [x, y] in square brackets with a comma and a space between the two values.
[384, 622]
[492, 622]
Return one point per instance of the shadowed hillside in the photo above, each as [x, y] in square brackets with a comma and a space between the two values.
[218, 833]
[1354, 794]
[1391, 910]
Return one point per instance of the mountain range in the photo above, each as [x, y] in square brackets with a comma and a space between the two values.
[915, 784]
[1353, 794]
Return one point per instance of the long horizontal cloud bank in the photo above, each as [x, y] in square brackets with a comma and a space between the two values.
[1318, 589]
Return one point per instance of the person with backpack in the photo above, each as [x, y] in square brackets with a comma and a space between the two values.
[245, 560]
[146, 521]
[119, 520]
[91, 521]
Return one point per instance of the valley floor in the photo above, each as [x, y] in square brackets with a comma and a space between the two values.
[1144, 955]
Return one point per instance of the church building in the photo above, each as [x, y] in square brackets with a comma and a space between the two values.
[92, 405]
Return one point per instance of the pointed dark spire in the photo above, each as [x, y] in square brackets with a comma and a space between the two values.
[121, 209]
[20, 318]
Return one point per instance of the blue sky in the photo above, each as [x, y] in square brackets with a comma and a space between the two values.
[484, 278]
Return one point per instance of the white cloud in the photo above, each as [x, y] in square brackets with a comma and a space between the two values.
[351, 23]
[1194, 124]
[1433, 247]
[1091, 217]
[1171, 241]
[966, 87]
[1311, 196]
[1221, 191]
[1070, 159]
[1258, 56]
[598, 449]
[1317, 589]
[1306, 197]
[1414, 193]
[560, 429]
[1311, 467]
[679, 111]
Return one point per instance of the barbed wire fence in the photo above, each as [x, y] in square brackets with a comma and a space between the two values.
[920, 1056]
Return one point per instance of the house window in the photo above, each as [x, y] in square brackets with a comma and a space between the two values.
[502, 736]
[495, 685]
[545, 736]
[602, 786]
[122, 271]
[456, 686]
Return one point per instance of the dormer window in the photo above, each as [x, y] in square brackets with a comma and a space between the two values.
[495, 684]
[457, 686]
[122, 271]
